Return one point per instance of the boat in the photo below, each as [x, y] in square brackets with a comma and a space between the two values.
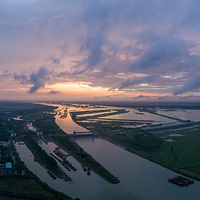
[69, 165]
[88, 171]
[52, 174]
[84, 168]
[181, 181]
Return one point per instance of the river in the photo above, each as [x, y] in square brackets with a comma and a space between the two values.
[139, 178]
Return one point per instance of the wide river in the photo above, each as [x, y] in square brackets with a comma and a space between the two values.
[139, 178]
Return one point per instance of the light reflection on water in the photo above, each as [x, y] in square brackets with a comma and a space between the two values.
[133, 114]
[193, 115]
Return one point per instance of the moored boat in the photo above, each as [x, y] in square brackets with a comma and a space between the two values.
[84, 168]
[181, 181]
[51, 174]
[88, 171]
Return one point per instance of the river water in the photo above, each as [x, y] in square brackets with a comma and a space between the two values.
[139, 178]
[185, 114]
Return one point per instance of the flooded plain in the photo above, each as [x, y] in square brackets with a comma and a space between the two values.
[193, 115]
[134, 114]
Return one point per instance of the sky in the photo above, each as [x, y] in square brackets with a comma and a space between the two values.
[100, 50]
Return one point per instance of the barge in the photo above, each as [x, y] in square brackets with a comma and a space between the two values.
[180, 181]
[60, 153]
[88, 171]
[64, 160]
[68, 164]
[60, 161]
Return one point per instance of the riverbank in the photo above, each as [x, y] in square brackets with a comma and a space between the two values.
[44, 159]
[155, 113]
[146, 155]
[84, 158]
[115, 112]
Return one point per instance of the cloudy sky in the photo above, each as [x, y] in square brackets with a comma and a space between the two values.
[100, 50]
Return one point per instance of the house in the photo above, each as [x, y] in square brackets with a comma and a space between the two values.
[8, 165]
[39, 133]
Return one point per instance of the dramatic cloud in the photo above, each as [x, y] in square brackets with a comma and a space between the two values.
[136, 81]
[37, 79]
[22, 78]
[165, 52]
[137, 47]
[191, 85]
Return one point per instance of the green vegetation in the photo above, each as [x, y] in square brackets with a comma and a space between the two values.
[24, 188]
[47, 125]
[13, 109]
[183, 154]
[4, 130]
[43, 158]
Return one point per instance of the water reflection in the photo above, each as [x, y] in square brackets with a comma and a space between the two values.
[193, 115]
[134, 114]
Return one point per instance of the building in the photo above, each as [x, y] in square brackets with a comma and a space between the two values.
[39, 133]
[8, 165]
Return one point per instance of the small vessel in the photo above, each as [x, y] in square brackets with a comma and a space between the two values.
[69, 165]
[181, 181]
[88, 171]
[52, 174]
[84, 168]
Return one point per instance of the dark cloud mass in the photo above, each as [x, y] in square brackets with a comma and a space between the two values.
[54, 92]
[164, 52]
[136, 81]
[191, 85]
[37, 79]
